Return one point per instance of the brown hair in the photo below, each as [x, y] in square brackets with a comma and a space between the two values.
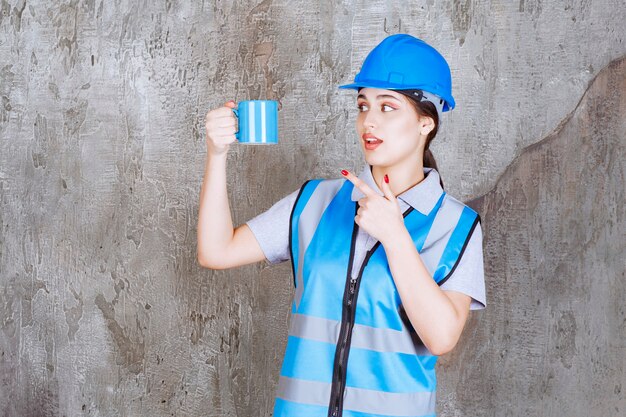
[428, 109]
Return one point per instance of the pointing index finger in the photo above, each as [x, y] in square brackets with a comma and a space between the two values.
[366, 189]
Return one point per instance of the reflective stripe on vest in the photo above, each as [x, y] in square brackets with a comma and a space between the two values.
[389, 372]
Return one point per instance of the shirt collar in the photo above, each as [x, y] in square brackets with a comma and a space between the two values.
[422, 197]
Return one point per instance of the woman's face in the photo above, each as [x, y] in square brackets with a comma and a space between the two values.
[388, 118]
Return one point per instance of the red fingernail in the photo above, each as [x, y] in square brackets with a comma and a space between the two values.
[386, 179]
[344, 172]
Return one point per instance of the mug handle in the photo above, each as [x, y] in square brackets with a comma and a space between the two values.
[236, 111]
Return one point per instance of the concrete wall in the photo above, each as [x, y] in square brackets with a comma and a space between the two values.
[103, 308]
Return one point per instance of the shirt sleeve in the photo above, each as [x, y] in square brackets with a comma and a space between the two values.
[469, 276]
[271, 229]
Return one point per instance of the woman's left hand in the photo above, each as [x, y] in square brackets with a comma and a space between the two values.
[377, 215]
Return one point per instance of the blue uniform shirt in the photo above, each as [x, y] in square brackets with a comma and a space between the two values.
[271, 229]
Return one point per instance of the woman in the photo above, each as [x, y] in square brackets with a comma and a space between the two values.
[386, 265]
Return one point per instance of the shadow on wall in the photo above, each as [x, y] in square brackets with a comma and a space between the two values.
[551, 341]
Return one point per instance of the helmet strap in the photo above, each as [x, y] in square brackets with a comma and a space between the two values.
[421, 95]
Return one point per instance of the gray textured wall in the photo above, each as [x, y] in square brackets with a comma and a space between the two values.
[103, 308]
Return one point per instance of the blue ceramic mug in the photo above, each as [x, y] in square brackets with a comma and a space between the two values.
[258, 122]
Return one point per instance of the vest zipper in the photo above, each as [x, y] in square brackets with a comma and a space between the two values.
[342, 363]
[339, 366]
[351, 293]
[345, 337]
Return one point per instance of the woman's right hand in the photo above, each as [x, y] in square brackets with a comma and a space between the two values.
[221, 126]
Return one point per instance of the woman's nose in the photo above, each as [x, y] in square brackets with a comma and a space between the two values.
[370, 119]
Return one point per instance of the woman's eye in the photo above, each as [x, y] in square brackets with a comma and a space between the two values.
[384, 108]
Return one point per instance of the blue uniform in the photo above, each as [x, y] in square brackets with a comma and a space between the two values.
[351, 349]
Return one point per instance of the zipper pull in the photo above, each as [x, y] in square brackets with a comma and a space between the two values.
[336, 412]
[351, 290]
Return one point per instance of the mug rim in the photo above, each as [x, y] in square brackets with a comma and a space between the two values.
[257, 101]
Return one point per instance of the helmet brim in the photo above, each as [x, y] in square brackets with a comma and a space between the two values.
[448, 101]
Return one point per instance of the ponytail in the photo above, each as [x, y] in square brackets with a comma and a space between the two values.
[429, 162]
[429, 159]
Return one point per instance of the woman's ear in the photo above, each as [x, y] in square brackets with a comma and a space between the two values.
[426, 125]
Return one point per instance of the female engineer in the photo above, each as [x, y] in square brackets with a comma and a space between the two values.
[386, 265]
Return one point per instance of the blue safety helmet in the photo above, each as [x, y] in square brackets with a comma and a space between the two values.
[403, 62]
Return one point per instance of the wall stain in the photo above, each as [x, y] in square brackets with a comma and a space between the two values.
[73, 315]
[565, 343]
[395, 28]
[5, 10]
[198, 323]
[7, 319]
[130, 350]
[28, 292]
[67, 46]
[532, 7]
[5, 108]
[41, 144]
[128, 27]
[74, 117]
[261, 8]
[462, 11]
[17, 15]
[54, 89]
[7, 78]
[263, 52]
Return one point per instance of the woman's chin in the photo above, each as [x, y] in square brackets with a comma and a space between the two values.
[373, 159]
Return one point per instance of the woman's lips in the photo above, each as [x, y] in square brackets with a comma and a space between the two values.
[372, 146]
[371, 141]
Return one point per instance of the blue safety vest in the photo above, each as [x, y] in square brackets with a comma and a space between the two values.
[351, 349]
